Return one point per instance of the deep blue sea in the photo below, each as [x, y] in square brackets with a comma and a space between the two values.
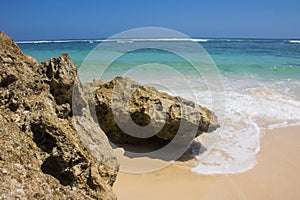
[260, 78]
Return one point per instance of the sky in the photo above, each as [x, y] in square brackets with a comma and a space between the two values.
[62, 19]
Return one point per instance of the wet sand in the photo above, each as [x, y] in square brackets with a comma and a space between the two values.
[276, 176]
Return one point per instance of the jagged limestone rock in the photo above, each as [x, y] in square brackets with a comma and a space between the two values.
[42, 156]
[164, 115]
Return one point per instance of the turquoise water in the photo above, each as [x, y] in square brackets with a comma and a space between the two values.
[260, 77]
[265, 58]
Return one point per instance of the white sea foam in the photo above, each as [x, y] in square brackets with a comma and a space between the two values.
[156, 40]
[118, 40]
[54, 41]
[283, 124]
[33, 42]
[295, 41]
[237, 141]
[124, 40]
[251, 108]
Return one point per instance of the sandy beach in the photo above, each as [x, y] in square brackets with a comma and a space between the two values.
[276, 176]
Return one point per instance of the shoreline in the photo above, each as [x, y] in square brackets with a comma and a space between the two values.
[273, 177]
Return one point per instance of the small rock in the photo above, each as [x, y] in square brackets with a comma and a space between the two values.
[21, 191]
[4, 171]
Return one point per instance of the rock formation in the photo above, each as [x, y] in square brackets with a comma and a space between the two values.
[42, 156]
[51, 145]
[162, 114]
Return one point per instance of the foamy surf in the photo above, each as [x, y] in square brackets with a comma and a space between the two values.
[294, 41]
[233, 148]
[118, 40]
[252, 106]
[124, 40]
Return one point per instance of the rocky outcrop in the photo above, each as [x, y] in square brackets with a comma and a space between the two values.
[51, 144]
[42, 156]
[122, 103]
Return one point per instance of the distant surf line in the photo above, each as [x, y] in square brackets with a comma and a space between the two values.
[131, 40]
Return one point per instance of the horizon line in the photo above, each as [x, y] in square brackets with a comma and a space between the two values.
[154, 38]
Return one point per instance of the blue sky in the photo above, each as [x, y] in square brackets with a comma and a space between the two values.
[58, 19]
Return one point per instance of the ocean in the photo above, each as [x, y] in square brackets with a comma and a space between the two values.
[260, 84]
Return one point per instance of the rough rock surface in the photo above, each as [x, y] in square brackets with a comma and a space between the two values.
[146, 106]
[42, 156]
